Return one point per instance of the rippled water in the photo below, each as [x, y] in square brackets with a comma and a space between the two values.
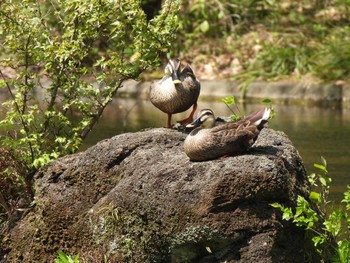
[313, 130]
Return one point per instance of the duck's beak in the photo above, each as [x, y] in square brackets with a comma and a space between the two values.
[175, 77]
[196, 123]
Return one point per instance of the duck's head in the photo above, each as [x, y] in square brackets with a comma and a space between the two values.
[205, 119]
[172, 70]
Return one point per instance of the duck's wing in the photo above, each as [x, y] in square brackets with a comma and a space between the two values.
[235, 132]
[189, 79]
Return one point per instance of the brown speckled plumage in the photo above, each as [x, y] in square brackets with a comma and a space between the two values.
[231, 138]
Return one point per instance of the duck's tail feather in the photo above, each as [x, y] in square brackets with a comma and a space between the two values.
[260, 117]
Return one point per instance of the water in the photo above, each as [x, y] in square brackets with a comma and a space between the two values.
[314, 131]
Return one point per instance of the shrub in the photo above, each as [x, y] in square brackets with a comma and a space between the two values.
[69, 58]
[327, 225]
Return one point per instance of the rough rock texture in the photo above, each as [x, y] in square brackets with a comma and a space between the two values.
[137, 198]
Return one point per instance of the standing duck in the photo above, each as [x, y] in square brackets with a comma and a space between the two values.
[207, 141]
[176, 92]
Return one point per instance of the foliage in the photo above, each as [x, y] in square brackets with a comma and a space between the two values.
[231, 100]
[202, 20]
[64, 258]
[268, 39]
[67, 59]
[332, 61]
[327, 225]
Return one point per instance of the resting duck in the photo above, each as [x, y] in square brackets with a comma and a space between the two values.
[176, 92]
[209, 142]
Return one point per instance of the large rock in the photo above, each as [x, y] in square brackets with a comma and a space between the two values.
[137, 198]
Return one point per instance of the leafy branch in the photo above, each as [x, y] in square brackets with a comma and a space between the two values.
[75, 55]
[329, 227]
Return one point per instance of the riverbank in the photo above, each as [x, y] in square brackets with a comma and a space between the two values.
[281, 92]
[303, 91]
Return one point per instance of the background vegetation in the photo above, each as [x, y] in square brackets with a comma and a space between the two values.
[267, 38]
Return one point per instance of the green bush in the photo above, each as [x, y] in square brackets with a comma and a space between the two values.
[327, 225]
[269, 39]
[333, 60]
[67, 59]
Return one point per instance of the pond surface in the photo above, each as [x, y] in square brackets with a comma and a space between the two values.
[314, 131]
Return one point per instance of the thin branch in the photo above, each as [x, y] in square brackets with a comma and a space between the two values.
[4, 204]
[24, 124]
[42, 18]
[26, 76]
[99, 112]
[57, 12]
[10, 18]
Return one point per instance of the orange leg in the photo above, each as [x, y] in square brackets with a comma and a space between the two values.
[189, 118]
[169, 121]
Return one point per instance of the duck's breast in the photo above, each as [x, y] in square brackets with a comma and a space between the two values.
[170, 99]
[200, 145]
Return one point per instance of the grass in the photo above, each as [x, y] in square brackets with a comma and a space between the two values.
[268, 39]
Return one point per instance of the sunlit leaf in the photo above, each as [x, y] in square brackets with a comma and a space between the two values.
[321, 167]
[229, 100]
[323, 181]
[315, 197]
[209, 250]
[204, 26]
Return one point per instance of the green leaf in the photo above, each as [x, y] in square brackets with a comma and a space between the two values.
[310, 225]
[323, 181]
[266, 101]
[346, 198]
[229, 100]
[2, 83]
[324, 162]
[315, 197]
[209, 250]
[343, 251]
[76, 259]
[276, 205]
[320, 166]
[64, 258]
[234, 117]
[287, 214]
[317, 240]
[204, 26]
[312, 179]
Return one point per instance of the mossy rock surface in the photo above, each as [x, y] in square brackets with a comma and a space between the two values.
[137, 198]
